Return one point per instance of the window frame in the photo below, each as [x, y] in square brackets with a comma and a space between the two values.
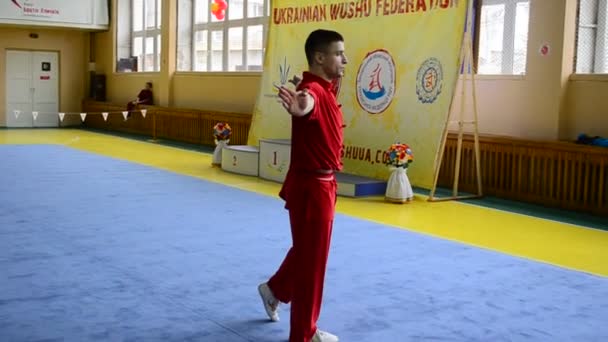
[153, 32]
[509, 29]
[224, 26]
[599, 50]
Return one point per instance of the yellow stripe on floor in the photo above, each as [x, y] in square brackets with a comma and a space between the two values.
[539, 239]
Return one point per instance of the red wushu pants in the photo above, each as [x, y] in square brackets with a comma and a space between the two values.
[310, 199]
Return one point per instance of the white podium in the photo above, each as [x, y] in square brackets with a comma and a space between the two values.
[274, 160]
[241, 159]
[271, 161]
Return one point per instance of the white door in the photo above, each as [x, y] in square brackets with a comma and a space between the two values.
[32, 85]
[19, 88]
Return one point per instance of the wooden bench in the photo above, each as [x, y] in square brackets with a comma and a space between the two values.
[178, 124]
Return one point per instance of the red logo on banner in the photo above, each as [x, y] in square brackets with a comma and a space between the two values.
[45, 77]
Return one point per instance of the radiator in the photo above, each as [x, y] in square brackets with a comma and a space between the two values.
[556, 174]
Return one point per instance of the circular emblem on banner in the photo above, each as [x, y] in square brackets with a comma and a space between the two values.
[429, 80]
[376, 82]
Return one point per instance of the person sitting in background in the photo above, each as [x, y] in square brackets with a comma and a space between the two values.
[145, 97]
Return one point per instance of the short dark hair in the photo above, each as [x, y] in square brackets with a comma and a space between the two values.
[149, 84]
[319, 41]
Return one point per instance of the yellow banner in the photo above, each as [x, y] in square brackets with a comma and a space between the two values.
[403, 65]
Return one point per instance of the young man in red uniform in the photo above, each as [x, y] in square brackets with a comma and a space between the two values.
[309, 189]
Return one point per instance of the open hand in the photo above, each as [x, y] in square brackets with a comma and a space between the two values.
[297, 103]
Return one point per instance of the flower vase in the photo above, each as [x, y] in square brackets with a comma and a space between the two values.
[217, 153]
[399, 189]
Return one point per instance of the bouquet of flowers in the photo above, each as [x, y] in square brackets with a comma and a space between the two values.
[221, 131]
[399, 155]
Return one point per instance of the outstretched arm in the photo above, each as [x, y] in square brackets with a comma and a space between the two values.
[296, 103]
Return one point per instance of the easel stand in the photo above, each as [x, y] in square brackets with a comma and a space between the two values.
[466, 55]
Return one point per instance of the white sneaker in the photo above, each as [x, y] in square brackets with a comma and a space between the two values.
[271, 304]
[323, 336]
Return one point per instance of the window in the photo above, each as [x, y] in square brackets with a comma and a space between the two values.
[235, 43]
[592, 37]
[138, 35]
[146, 30]
[503, 37]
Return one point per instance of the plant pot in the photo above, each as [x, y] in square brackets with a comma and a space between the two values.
[399, 189]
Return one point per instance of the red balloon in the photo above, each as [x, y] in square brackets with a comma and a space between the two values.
[220, 11]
